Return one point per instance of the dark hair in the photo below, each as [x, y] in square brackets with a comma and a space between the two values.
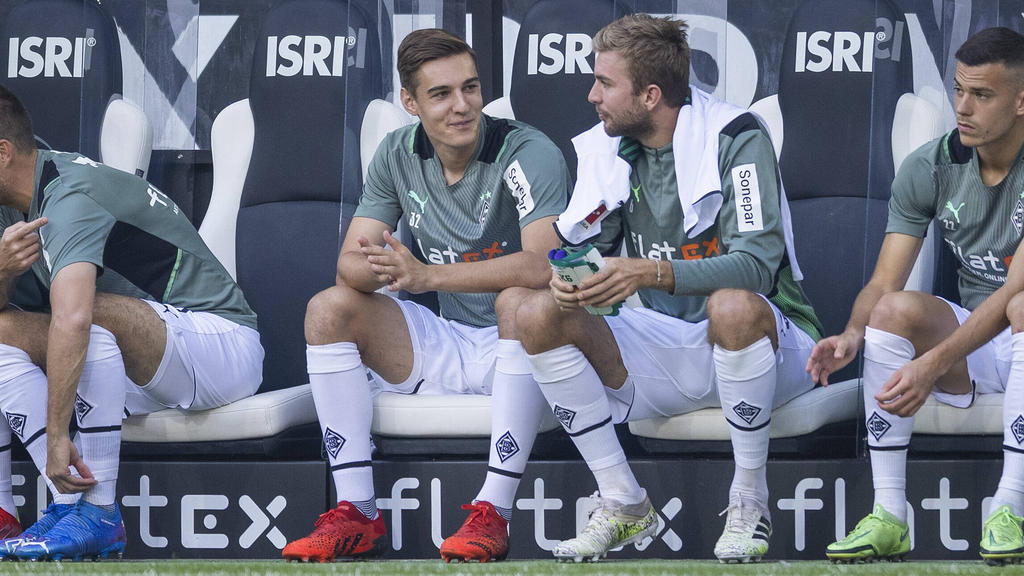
[15, 123]
[655, 50]
[422, 46]
[993, 45]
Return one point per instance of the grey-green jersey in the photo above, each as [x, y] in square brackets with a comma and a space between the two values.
[28, 293]
[517, 176]
[118, 221]
[726, 254]
[980, 224]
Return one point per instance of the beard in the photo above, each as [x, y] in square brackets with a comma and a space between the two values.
[635, 122]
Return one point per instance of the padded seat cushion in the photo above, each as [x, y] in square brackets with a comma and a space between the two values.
[802, 415]
[260, 416]
[448, 416]
[984, 417]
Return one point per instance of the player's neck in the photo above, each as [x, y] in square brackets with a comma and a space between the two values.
[18, 190]
[663, 127]
[454, 161]
[996, 159]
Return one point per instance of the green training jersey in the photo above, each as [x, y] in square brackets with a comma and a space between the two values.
[517, 176]
[120, 222]
[750, 256]
[980, 224]
[28, 293]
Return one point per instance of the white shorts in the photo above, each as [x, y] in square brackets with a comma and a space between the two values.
[988, 367]
[671, 370]
[208, 362]
[448, 357]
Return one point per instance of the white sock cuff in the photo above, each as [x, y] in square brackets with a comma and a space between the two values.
[102, 344]
[619, 457]
[511, 358]
[746, 364]
[330, 358]
[557, 365]
[887, 348]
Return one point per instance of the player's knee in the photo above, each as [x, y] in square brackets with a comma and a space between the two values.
[1015, 312]
[738, 313]
[331, 314]
[897, 313]
[506, 305]
[536, 316]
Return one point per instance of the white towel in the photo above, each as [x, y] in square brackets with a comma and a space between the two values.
[602, 176]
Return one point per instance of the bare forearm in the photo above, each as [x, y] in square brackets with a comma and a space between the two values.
[65, 353]
[354, 271]
[862, 307]
[527, 269]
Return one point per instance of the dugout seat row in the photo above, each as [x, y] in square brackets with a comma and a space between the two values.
[288, 164]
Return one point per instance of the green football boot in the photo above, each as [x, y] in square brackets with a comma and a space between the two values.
[879, 536]
[1002, 538]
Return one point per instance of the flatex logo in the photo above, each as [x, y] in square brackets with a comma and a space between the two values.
[212, 510]
[555, 53]
[293, 55]
[849, 51]
[50, 57]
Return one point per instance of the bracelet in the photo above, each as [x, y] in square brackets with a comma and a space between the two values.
[658, 282]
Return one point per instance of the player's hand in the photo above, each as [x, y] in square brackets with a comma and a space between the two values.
[61, 454]
[397, 268]
[831, 354]
[564, 293]
[616, 281]
[908, 388]
[19, 247]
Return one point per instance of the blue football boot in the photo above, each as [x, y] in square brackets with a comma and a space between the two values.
[52, 514]
[88, 531]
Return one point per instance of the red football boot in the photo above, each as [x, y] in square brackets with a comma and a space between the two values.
[483, 536]
[341, 532]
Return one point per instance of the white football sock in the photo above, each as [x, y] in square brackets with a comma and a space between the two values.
[888, 434]
[579, 401]
[99, 408]
[1011, 485]
[344, 407]
[746, 387]
[23, 401]
[517, 408]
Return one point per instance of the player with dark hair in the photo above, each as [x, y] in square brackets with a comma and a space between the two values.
[479, 195]
[971, 182]
[188, 337]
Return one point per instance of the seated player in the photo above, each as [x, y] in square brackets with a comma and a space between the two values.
[916, 344]
[189, 340]
[479, 195]
[691, 185]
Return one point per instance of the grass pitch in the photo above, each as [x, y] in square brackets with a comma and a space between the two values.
[525, 568]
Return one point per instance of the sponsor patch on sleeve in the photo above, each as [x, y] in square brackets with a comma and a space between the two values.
[747, 194]
[517, 183]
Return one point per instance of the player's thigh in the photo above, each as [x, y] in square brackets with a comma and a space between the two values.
[665, 358]
[26, 331]
[447, 357]
[140, 332]
[209, 361]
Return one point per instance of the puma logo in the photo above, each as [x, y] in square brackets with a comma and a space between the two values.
[423, 202]
[955, 211]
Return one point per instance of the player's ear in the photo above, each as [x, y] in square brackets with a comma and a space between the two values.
[6, 152]
[409, 102]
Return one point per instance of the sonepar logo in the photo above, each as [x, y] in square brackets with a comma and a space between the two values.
[293, 55]
[849, 50]
[51, 57]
